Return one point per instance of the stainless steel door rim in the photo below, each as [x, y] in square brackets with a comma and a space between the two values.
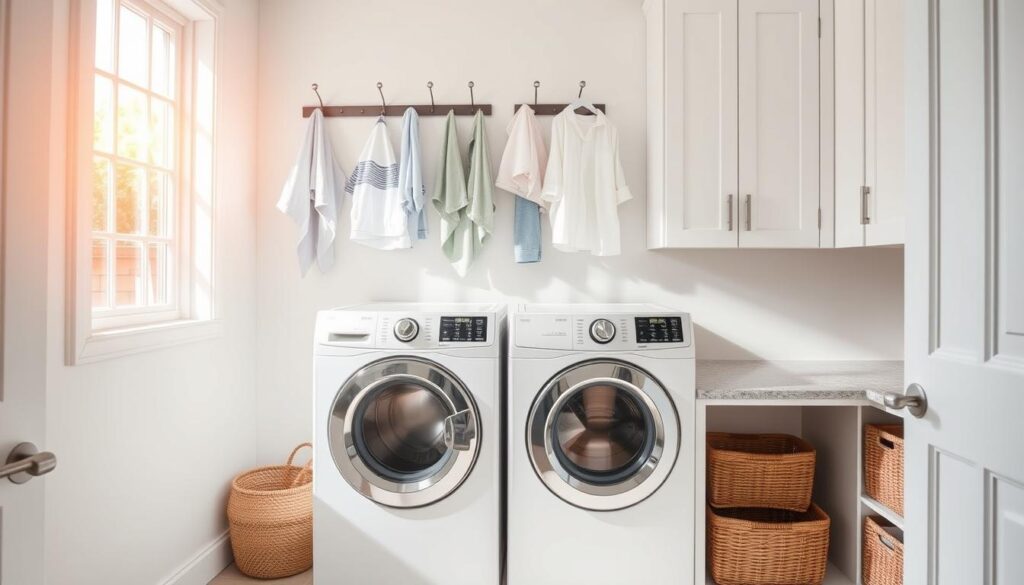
[638, 469]
[408, 485]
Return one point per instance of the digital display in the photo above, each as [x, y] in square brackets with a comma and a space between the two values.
[659, 330]
[460, 329]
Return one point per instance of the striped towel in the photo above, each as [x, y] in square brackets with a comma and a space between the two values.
[379, 217]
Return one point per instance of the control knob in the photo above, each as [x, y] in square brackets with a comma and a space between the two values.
[602, 331]
[406, 329]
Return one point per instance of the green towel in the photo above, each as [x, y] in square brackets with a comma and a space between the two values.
[467, 213]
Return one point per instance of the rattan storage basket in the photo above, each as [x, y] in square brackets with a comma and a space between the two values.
[759, 471]
[883, 553]
[883, 464]
[270, 515]
[759, 546]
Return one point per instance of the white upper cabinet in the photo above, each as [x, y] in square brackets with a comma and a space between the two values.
[778, 130]
[869, 123]
[733, 116]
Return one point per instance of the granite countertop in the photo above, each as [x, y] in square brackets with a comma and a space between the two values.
[797, 380]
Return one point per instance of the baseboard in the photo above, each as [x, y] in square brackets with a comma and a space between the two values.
[206, 565]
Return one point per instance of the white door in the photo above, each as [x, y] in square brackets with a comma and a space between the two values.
[26, 135]
[700, 124]
[778, 123]
[965, 291]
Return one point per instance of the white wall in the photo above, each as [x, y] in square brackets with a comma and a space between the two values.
[147, 444]
[812, 304]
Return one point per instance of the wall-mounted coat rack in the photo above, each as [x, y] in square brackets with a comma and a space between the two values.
[555, 109]
[385, 109]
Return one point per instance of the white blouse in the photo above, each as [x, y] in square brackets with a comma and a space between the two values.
[585, 184]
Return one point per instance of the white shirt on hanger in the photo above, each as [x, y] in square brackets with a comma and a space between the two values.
[585, 184]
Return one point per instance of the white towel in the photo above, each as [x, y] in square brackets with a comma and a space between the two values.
[311, 196]
[410, 176]
[378, 208]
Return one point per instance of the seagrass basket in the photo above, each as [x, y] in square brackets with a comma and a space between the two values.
[883, 553]
[759, 471]
[883, 464]
[270, 516]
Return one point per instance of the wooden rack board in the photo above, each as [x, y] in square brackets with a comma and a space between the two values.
[397, 110]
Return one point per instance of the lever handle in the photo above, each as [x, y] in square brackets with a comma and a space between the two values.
[914, 400]
[25, 462]
[460, 430]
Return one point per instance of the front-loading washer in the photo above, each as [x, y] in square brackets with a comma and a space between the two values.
[601, 405]
[407, 448]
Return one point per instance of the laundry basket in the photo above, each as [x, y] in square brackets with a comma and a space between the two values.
[760, 471]
[270, 514]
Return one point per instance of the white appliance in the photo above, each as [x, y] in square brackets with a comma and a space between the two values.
[601, 406]
[407, 474]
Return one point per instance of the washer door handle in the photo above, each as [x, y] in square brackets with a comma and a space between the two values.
[460, 430]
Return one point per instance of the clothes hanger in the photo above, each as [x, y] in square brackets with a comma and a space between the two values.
[587, 107]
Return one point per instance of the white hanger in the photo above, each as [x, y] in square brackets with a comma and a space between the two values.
[586, 105]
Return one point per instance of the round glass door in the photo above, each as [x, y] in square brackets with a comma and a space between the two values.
[404, 432]
[603, 435]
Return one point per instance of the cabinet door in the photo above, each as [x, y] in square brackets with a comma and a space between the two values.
[778, 123]
[850, 98]
[699, 208]
[884, 141]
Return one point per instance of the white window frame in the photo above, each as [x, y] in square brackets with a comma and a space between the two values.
[192, 315]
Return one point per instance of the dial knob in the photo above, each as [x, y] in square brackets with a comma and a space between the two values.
[407, 329]
[602, 331]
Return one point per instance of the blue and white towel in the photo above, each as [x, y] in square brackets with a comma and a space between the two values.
[378, 207]
[410, 176]
[311, 196]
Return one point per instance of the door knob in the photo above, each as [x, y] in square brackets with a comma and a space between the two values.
[25, 462]
[914, 400]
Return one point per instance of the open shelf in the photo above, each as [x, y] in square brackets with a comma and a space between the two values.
[833, 576]
[882, 510]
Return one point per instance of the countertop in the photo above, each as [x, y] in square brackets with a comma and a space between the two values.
[810, 381]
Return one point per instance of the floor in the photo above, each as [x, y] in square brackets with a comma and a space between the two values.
[232, 576]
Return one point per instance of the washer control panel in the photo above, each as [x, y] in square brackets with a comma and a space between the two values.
[607, 332]
[406, 329]
[463, 329]
[602, 331]
[659, 330]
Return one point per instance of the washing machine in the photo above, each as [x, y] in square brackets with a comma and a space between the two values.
[601, 405]
[407, 453]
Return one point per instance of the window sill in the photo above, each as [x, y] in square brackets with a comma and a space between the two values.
[113, 343]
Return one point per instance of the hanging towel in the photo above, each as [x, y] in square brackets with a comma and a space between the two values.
[311, 196]
[410, 176]
[450, 198]
[521, 173]
[480, 188]
[378, 208]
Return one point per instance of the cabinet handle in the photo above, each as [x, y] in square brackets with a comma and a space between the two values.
[864, 193]
[730, 212]
[748, 212]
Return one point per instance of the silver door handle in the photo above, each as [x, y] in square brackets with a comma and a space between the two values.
[730, 212]
[748, 211]
[914, 400]
[864, 217]
[25, 462]
[460, 430]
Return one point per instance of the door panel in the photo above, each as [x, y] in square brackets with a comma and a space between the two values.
[778, 123]
[964, 468]
[700, 118]
[850, 96]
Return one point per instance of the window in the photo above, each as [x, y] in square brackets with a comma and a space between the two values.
[142, 268]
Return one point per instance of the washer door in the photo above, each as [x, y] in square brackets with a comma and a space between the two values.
[404, 432]
[603, 435]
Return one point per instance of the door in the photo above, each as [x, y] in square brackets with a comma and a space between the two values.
[850, 99]
[404, 432]
[778, 124]
[603, 435]
[964, 290]
[700, 124]
[27, 135]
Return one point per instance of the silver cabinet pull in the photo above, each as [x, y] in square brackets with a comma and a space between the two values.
[748, 212]
[864, 193]
[730, 212]
[914, 400]
[460, 430]
[25, 462]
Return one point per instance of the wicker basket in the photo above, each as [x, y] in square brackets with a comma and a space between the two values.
[883, 553]
[759, 546]
[270, 513]
[883, 464]
[760, 471]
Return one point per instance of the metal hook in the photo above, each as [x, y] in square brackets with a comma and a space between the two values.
[472, 103]
[383, 104]
[315, 88]
[430, 86]
[536, 84]
[582, 85]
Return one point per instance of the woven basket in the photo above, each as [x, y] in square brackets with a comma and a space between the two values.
[270, 513]
[883, 464]
[883, 553]
[759, 546]
[760, 471]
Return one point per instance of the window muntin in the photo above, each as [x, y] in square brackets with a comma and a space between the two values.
[136, 248]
